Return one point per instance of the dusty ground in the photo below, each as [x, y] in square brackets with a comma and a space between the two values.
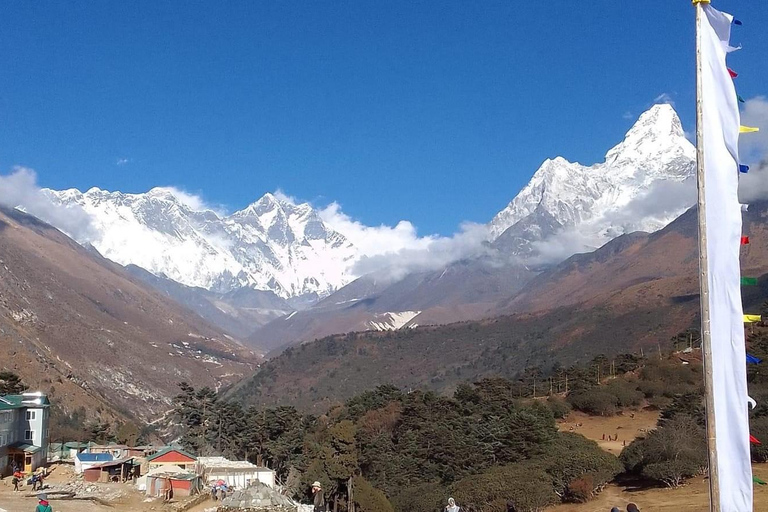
[131, 500]
[625, 427]
[693, 497]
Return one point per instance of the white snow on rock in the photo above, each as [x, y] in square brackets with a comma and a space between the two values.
[392, 321]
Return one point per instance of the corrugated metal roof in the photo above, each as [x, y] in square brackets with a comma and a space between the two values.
[169, 449]
[95, 457]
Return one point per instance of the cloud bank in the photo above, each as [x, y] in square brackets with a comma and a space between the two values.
[20, 190]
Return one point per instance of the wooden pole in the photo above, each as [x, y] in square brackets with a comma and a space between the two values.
[706, 335]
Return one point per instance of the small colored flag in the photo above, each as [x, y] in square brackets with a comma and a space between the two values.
[732, 73]
[744, 168]
[753, 439]
[736, 22]
[748, 281]
[748, 319]
[757, 481]
[754, 360]
[741, 100]
[748, 129]
[744, 240]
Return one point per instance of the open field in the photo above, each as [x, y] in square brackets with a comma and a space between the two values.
[693, 497]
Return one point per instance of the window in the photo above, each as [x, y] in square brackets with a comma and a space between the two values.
[29, 435]
[31, 415]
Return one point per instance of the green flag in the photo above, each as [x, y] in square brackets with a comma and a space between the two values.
[748, 281]
[757, 481]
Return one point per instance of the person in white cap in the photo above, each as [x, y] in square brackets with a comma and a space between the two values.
[452, 507]
[319, 498]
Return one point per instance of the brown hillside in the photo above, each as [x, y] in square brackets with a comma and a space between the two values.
[78, 326]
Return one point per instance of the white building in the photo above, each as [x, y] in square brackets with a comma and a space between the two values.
[23, 432]
[236, 473]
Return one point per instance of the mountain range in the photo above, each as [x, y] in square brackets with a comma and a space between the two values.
[306, 273]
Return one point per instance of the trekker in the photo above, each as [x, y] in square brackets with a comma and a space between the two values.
[632, 508]
[42, 504]
[318, 497]
[452, 507]
[15, 483]
[511, 507]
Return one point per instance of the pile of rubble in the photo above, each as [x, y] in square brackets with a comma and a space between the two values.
[86, 490]
[257, 497]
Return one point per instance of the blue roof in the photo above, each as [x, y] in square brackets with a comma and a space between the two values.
[95, 457]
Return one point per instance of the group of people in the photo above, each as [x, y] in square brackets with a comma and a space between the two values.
[630, 508]
[219, 490]
[36, 479]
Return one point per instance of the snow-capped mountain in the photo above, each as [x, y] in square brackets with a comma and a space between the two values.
[645, 182]
[273, 244]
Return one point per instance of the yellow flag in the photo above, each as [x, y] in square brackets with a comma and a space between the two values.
[748, 129]
[752, 318]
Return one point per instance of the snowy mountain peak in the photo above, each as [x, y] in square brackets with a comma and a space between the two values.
[270, 245]
[565, 195]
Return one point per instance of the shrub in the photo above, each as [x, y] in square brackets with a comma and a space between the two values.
[526, 485]
[368, 498]
[559, 407]
[427, 497]
[669, 454]
[626, 393]
[575, 461]
[594, 401]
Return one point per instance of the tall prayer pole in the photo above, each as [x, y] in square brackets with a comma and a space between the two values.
[706, 335]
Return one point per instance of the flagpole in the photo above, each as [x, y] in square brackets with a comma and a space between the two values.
[706, 335]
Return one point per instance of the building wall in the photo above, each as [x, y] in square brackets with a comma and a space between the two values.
[9, 430]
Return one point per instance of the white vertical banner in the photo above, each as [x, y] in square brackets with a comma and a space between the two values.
[720, 124]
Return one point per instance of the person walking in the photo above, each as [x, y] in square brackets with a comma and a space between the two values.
[15, 481]
[632, 508]
[318, 497]
[42, 504]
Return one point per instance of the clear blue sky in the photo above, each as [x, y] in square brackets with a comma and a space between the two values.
[435, 112]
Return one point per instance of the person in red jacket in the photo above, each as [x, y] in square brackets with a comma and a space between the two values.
[42, 504]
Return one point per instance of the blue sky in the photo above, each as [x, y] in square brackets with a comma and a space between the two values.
[434, 112]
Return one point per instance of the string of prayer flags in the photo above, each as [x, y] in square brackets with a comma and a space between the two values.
[748, 319]
[748, 281]
[752, 359]
[732, 73]
[757, 481]
[753, 439]
[748, 129]
[743, 168]
[745, 240]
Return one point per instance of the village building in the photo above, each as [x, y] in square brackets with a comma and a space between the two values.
[118, 470]
[85, 460]
[236, 473]
[65, 451]
[171, 456]
[23, 432]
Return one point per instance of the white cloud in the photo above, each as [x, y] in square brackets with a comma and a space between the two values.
[20, 190]
[194, 201]
[122, 161]
[398, 250]
[628, 115]
[285, 198]
[664, 97]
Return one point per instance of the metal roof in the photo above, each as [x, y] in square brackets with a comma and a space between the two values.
[169, 449]
[94, 457]
[26, 448]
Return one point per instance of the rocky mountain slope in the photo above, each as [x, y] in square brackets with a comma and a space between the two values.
[78, 326]
[636, 292]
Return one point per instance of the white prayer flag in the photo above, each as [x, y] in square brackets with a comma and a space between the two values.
[723, 229]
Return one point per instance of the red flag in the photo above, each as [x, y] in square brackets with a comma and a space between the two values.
[732, 73]
[744, 240]
[753, 439]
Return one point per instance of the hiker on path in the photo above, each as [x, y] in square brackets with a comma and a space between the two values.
[318, 497]
[632, 508]
[452, 507]
[42, 504]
